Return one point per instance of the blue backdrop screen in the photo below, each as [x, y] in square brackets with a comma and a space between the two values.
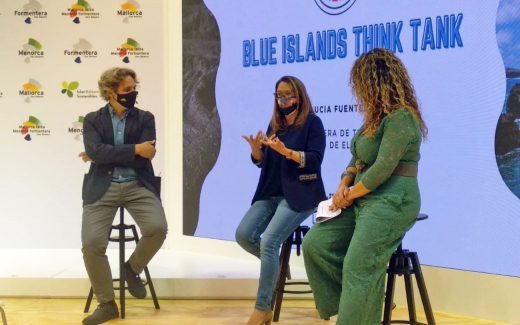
[463, 59]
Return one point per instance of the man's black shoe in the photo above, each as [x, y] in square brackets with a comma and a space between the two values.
[135, 285]
[104, 312]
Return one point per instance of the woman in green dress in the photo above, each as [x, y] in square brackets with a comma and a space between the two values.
[346, 257]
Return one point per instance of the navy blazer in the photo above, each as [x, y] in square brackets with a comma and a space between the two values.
[302, 186]
[98, 138]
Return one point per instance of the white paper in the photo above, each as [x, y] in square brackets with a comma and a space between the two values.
[323, 212]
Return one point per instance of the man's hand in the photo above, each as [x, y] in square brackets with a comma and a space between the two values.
[146, 149]
[84, 157]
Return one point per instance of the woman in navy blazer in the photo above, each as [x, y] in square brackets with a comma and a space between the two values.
[290, 185]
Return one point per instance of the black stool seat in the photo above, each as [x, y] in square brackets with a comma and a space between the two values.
[406, 263]
[296, 238]
[122, 238]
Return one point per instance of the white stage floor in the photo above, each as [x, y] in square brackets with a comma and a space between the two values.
[178, 274]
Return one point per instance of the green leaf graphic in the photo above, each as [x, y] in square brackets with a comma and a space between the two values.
[34, 43]
[70, 93]
[84, 4]
[132, 42]
[80, 119]
[34, 120]
[73, 85]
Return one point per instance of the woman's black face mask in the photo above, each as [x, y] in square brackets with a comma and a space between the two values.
[282, 101]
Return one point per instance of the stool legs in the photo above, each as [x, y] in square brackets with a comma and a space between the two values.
[147, 274]
[122, 272]
[422, 288]
[390, 289]
[89, 300]
[2, 312]
[407, 264]
[285, 255]
[410, 300]
[276, 303]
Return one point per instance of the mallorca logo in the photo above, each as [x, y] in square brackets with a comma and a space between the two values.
[77, 128]
[130, 48]
[31, 50]
[31, 89]
[80, 9]
[82, 49]
[334, 7]
[129, 10]
[32, 10]
[33, 126]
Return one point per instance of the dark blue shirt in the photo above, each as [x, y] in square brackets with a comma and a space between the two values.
[121, 174]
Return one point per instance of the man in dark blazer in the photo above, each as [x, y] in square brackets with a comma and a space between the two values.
[119, 143]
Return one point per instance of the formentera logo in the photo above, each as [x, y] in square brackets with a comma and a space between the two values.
[31, 50]
[81, 50]
[33, 126]
[31, 11]
[334, 7]
[79, 10]
[130, 10]
[76, 129]
[131, 48]
[31, 89]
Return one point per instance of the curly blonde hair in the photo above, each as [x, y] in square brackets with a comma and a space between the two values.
[111, 78]
[381, 84]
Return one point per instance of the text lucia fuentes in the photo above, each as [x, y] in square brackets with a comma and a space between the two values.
[441, 32]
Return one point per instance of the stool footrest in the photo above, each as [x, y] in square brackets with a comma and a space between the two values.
[297, 292]
[115, 239]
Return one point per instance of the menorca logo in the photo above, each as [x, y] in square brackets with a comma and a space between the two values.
[334, 7]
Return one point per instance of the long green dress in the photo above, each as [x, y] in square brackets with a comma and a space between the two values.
[346, 257]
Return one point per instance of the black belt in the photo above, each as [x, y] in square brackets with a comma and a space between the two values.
[405, 170]
[409, 170]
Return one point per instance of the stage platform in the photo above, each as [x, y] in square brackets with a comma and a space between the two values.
[176, 274]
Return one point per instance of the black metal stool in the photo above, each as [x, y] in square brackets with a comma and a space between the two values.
[2, 313]
[295, 238]
[121, 238]
[406, 263]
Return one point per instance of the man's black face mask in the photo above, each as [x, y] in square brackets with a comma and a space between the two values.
[127, 100]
